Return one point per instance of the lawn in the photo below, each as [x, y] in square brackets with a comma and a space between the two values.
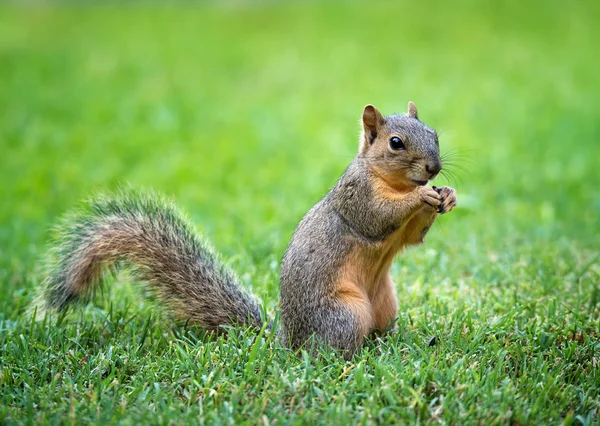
[245, 113]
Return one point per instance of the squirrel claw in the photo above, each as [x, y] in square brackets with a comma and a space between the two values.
[448, 199]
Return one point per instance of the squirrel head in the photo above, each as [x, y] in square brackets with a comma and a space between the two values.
[399, 148]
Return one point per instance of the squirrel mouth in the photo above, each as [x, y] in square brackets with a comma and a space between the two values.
[419, 182]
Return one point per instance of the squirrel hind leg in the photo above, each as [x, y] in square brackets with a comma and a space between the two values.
[340, 332]
[340, 324]
[385, 305]
[350, 321]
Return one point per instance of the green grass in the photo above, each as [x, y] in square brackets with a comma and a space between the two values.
[245, 114]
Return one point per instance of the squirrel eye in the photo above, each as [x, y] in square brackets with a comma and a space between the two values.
[396, 143]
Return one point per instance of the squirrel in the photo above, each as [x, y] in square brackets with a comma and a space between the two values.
[335, 284]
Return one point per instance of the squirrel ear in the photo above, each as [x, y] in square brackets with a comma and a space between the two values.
[412, 110]
[371, 120]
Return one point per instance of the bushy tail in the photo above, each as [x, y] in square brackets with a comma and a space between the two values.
[148, 234]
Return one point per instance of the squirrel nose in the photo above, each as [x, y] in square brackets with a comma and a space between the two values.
[433, 169]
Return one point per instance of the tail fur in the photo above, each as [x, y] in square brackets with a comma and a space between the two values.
[148, 234]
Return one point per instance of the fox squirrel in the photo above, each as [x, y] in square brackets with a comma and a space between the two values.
[335, 283]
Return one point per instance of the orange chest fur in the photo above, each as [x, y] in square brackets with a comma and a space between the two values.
[368, 265]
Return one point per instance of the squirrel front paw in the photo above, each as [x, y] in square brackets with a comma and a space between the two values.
[430, 197]
[448, 199]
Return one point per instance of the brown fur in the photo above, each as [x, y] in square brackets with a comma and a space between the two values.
[354, 297]
[365, 285]
[176, 266]
[419, 225]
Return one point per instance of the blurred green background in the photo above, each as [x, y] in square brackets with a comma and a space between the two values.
[247, 112]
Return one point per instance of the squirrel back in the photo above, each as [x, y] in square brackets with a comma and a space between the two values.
[335, 283]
